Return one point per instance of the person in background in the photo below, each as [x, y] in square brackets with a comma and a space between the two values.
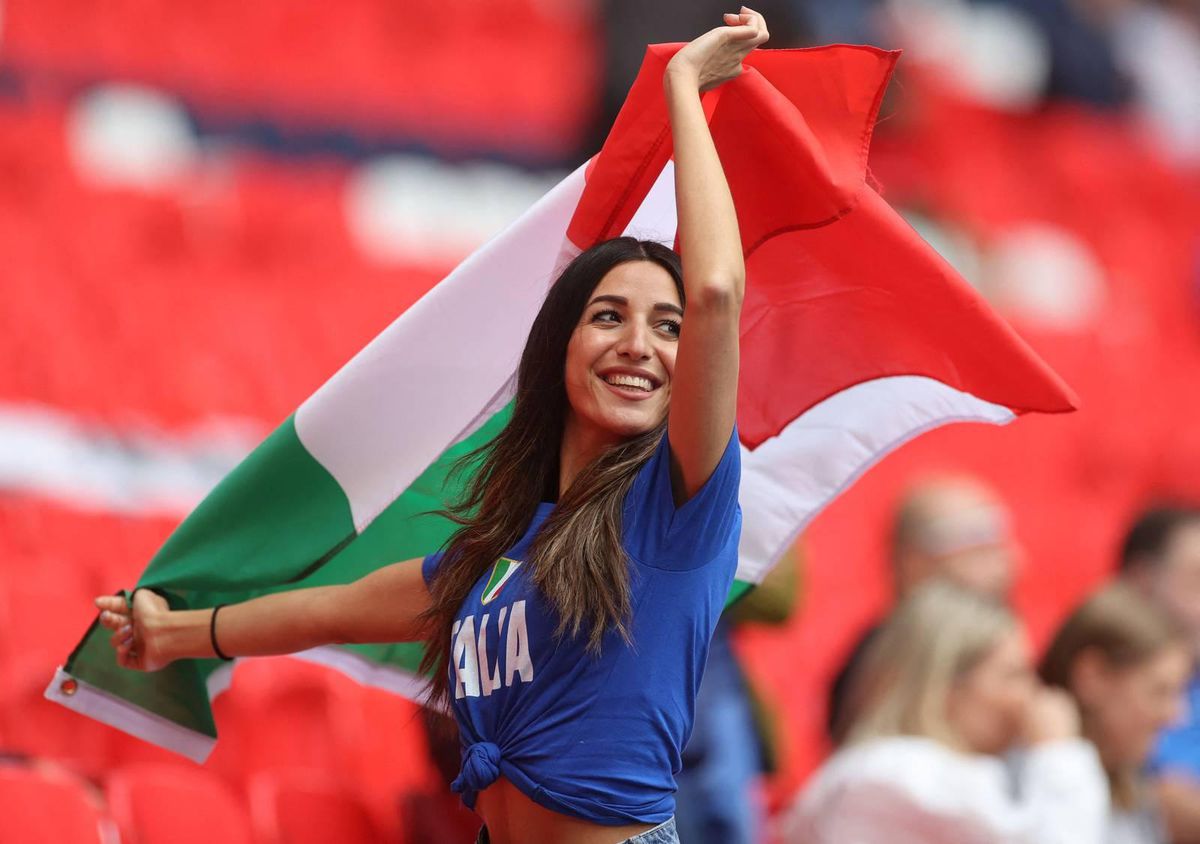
[945, 691]
[953, 527]
[730, 745]
[1161, 558]
[1125, 663]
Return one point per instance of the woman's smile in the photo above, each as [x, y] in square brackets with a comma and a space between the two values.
[630, 384]
[622, 354]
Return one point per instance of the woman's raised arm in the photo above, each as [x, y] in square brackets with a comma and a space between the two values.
[383, 606]
[704, 384]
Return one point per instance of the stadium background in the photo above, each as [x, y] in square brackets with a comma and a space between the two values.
[205, 209]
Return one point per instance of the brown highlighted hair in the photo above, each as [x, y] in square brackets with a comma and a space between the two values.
[1127, 630]
[577, 560]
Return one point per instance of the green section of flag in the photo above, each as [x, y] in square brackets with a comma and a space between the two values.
[277, 522]
[268, 523]
[177, 692]
[736, 591]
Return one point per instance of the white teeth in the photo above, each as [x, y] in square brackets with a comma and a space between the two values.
[635, 381]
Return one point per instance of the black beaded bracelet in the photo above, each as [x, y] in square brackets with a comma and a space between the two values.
[212, 634]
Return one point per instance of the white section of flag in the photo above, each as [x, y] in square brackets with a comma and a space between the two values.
[455, 353]
[790, 478]
[389, 413]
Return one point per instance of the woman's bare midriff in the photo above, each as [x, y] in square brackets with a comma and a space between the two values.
[512, 818]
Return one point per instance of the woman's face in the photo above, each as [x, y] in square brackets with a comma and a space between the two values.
[621, 355]
[987, 706]
[1127, 707]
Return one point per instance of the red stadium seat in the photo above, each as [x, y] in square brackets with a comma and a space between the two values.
[45, 603]
[395, 732]
[32, 725]
[40, 806]
[175, 804]
[287, 714]
[308, 808]
[45, 606]
[212, 316]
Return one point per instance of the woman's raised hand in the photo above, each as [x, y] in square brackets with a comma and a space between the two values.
[1052, 716]
[716, 56]
[133, 636]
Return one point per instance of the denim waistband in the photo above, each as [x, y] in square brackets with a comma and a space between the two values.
[664, 833]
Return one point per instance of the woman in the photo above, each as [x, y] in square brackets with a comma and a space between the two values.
[945, 690]
[567, 621]
[1126, 664]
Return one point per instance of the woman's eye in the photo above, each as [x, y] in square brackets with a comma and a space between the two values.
[670, 326]
[606, 316]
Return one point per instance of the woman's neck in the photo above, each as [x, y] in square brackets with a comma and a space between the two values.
[581, 444]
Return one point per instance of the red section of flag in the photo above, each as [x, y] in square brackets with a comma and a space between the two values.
[633, 155]
[840, 290]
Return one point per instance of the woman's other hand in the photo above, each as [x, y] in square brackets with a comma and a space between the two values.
[1052, 716]
[134, 630]
[716, 56]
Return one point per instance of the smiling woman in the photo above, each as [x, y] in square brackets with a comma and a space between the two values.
[598, 535]
[621, 356]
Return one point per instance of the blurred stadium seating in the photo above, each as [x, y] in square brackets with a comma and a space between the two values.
[293, 808]
[173, 804]
[48, 805]
[364, 68]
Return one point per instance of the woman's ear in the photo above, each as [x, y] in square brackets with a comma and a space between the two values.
[1090, 677]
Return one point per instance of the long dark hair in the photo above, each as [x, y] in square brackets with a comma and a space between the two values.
[577, 560]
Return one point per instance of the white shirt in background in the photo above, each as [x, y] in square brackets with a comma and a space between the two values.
[910, 790]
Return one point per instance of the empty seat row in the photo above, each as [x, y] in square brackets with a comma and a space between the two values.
[379, 70]
[174, 804]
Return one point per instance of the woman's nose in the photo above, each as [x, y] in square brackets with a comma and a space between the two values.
[634, 342]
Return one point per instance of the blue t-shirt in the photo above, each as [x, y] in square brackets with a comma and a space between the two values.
[1178, 747]
[598, 738]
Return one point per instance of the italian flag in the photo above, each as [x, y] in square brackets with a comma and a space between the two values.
[856, 336]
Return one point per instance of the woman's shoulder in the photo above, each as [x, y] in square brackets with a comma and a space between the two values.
[660, 533]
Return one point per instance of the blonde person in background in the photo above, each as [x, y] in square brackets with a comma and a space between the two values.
[947, 691]
[1126, 664]
[952, 527]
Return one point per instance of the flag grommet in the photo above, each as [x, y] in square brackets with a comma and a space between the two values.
[68, 687]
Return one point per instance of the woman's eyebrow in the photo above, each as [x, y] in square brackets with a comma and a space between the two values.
[621, 300]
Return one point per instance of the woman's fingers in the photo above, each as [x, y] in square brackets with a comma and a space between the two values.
[122, 636]
[754, 21]
[115, 615]
[748, 26]
[127, 656]
[113, 620]
[741, 30]
[112, 603]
